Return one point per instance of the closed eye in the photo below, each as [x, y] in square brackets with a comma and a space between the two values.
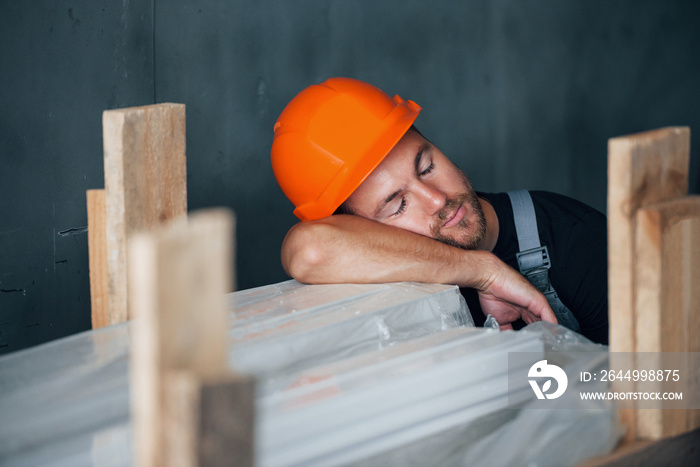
[402, 208]
[428, 170]
[423, 155]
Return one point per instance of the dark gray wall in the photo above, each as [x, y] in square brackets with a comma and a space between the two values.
[521, 94]
[61, 64]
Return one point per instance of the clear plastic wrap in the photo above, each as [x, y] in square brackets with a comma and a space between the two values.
[54, 396]
[384, 399]
[564, 435]
[67, 402]
[287, 327]
[387, 374]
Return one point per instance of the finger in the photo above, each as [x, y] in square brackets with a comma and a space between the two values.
[545, 313]
[506, 327]
[549, 316]
[532, 319]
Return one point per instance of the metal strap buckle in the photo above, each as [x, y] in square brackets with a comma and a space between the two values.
[534, 264]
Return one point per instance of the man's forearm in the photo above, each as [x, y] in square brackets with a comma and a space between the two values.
[353, 249]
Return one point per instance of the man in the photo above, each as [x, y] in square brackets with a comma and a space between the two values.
[404, 212]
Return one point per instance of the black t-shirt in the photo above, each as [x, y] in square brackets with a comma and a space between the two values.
[576, 237]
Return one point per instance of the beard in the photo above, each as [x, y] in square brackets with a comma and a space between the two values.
[468, 234]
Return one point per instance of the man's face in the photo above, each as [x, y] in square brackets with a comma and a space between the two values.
[417, 188]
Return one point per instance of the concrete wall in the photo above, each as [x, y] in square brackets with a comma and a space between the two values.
[61, 64]
[521, 94]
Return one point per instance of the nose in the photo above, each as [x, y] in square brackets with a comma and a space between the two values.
[433, 198]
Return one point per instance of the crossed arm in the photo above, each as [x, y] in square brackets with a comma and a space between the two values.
[353, 249]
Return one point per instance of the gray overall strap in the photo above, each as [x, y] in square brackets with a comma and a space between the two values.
[533, 258]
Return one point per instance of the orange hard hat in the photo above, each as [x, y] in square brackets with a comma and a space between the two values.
[330, 137]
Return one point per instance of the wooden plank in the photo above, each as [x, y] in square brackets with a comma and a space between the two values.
[145, 182]
[668, 298]
[97, 252]
[643, 168]
[668, 275]
[680, 450]
[178, 279]
[209, 421]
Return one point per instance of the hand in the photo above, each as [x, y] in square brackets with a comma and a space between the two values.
[508, 296]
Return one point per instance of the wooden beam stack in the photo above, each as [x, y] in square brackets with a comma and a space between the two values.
[188, 409]
[145, 185]
[149, 261]
[654, 260]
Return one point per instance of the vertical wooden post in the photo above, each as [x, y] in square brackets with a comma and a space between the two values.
[668, 297]
[643, 169]
[97, 252]
[209, 420]
[188, 409]
[668, 275]
[145, 183]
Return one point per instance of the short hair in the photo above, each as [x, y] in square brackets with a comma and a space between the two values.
[344, 209]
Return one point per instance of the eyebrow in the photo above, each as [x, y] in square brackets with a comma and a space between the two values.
[416, 166]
